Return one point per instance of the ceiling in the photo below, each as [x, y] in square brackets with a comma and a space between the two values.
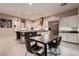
[34, 11]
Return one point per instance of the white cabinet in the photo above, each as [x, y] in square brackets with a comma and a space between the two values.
[70, 21]
[64, 36]
[73, 38]
[69, 37]
[63, 22]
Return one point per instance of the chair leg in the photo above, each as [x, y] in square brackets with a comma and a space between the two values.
[56, 51]
[52, 52]
[59, 51]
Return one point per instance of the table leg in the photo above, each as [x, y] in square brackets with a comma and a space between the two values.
[36, 42]
[45, 49]
[56, 40]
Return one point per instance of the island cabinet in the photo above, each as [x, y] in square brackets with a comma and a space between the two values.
[28, 34]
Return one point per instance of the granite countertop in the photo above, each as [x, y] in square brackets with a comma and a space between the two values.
[68, 31]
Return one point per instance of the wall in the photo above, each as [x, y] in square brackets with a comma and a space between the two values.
[28, 25]
[68, 13]
[36, 24]
[6, 32]
[16, 22]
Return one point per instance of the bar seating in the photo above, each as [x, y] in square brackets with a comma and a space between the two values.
[32, 49]
[55, 45]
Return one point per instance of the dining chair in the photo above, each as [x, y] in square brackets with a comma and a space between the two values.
[31, 34]
[55, 45]
[32, 49]
[27, 36]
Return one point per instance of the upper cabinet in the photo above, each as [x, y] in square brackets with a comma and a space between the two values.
[70, 21]
[63, 22]
[73, 21]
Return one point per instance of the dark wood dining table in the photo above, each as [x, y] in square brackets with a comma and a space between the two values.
[45, 40]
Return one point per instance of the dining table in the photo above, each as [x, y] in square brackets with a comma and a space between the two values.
[45, 39]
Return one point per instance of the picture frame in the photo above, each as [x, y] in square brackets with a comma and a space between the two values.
[5, 23]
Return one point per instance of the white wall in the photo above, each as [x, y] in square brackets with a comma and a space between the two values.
[16, 22]
[7, 32]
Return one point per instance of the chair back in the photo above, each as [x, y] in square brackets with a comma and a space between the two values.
[28, 45]
[59, 40]
[18, 34]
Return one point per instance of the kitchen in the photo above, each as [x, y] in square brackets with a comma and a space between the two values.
[66, 24]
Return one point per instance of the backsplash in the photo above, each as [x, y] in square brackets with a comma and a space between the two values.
[68, 29]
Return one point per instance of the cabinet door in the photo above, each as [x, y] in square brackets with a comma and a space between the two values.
[63, 22]
[73, 38]
[64, 36]
[72, 21]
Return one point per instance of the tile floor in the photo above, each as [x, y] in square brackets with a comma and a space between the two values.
[9, 46]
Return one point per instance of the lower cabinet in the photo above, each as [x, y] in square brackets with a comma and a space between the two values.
[73, 38]
[64, 36]
[69, 37]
